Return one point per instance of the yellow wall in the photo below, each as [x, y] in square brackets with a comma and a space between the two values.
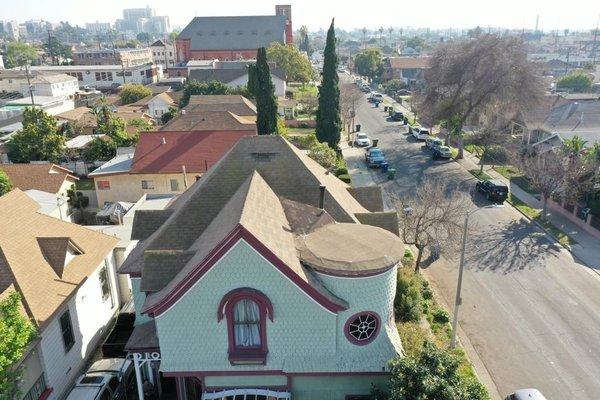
[128, 187]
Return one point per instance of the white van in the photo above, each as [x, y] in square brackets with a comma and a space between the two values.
[419, 132]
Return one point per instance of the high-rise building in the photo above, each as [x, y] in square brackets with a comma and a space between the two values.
[138, 20]
[96, 28]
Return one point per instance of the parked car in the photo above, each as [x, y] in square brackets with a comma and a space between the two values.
[107, 379]
[374, 157]
[442, 152]
[526, 394]
[433, 142]
[362, 140]
[375, 98]
[419, 132]
[493, 190]
[397, 116]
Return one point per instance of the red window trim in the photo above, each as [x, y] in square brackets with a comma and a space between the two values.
[237, 355]
[355, 341]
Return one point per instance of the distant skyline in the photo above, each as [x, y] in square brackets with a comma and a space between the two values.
[316, 14]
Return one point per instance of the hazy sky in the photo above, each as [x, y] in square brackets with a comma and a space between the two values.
[554, 14]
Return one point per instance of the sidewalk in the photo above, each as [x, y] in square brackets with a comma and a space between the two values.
[587, 248]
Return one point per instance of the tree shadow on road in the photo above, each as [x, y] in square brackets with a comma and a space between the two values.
[509, 248]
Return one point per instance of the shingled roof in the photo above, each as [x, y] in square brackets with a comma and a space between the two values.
[234, 33]
[46, 177]
[33, 250]
[263, 188]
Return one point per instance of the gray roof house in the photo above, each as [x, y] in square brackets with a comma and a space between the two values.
[234, 33]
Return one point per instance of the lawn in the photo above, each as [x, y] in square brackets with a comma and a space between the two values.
[300, 131]
[536, 215]
[514, 175]
[85, 184]
[482, 176]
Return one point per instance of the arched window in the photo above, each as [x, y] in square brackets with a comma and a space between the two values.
[246, 324]
[246, 311]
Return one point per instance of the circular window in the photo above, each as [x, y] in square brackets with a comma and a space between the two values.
[362, 328]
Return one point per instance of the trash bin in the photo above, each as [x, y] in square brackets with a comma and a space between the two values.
[391, 173]
[357, 127]
[390, 111]
[375, 141]
[384, 167]
[377, 104]
[385, 108]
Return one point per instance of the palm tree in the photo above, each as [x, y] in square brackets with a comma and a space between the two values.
[364, 32]
[390, 31]
[380, 35]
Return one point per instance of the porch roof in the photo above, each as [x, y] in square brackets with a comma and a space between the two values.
[143, 338]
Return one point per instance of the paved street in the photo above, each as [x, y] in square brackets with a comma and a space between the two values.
[530, 314]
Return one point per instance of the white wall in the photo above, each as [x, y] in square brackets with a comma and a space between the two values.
[157, 107]
[279, 84]
[67, 88]
[88, 74]
[89, 317]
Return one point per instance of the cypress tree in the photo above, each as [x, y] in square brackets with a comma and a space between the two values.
[329, 123]
[252, 84]
[266, 103]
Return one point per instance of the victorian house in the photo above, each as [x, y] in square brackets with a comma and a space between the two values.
[268, 279]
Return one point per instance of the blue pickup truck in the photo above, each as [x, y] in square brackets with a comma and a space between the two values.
[374, 157]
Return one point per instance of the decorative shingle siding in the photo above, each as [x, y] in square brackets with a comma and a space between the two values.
[374, 293]
[304, 337]
[245, 381]
[138, 301]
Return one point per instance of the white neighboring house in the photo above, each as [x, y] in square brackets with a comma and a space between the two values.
[51, 85]
[236, 77]
[106, 76]
[65, 274]
[160, 105]
[163, 54]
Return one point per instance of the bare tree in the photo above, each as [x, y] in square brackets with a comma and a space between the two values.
[349, 97]
[433, 216]
[467, 78]
[546, 172]
[494, 130]
[558, 172]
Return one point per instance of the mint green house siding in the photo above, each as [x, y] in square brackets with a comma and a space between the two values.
[302, 336]
[138, 301]
[336, 387]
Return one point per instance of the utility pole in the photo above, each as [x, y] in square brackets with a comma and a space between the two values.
[123, 71]
[595, 45]
[50, 47]
[567, 63]
[29, 84]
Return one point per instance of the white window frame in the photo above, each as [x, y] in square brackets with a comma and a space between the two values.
[243, 392]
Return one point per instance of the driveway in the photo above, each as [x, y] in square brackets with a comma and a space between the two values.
[530, 313]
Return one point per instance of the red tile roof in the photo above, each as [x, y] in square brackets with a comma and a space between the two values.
[166, 152]
[409, 62]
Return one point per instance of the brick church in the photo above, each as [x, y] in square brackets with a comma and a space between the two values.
[235, 37]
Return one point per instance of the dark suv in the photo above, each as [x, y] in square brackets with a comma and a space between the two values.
[493, 190]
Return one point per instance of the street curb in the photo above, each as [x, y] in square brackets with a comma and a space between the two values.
[566, 246]
[483, 375]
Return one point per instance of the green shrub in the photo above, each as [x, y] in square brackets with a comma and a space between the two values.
[426, 291]
[496, 155]
[307, 141]
[303, 125]
[407, 304]
[345, 178]
[412, 335]
[341, 171]
[323, 154]
[440, 316]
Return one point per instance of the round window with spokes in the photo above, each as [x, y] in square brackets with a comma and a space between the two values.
[362, 328]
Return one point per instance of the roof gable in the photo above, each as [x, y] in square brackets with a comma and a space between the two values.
[46, 177]
[56, 251]
[32, 261]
